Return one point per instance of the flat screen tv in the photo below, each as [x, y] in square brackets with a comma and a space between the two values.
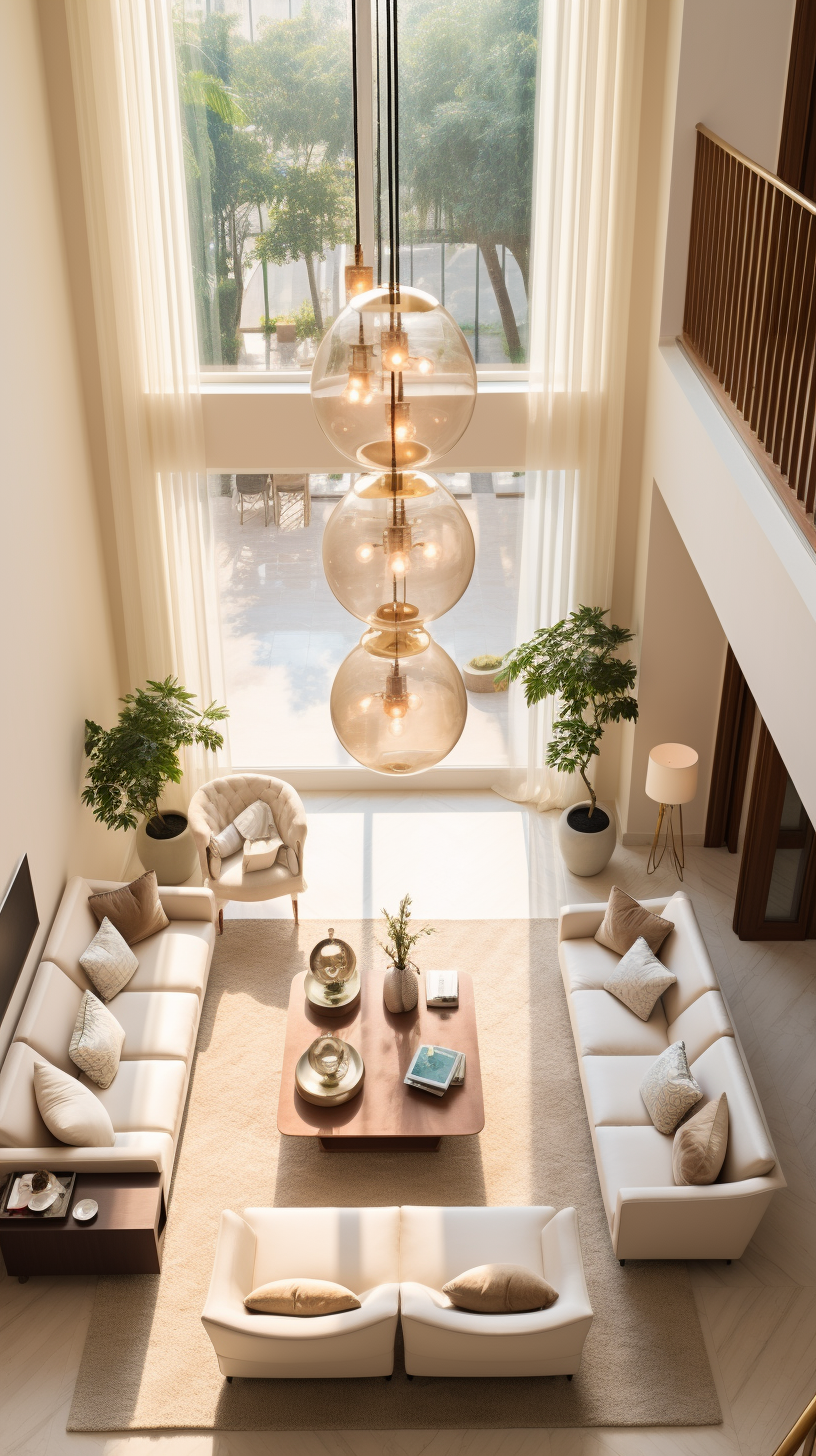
[19, 923]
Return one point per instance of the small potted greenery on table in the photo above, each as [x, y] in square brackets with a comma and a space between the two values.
[480, 674]
[131, 763]
[400, 987]
[577, 661]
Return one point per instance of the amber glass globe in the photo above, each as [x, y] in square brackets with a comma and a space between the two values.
[398, 541]
[398, 702]
[418, 384]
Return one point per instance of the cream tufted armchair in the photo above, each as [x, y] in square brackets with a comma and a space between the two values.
[216, 804]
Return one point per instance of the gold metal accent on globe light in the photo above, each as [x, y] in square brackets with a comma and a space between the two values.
[411, 546]
[359, 277]
[404, 642]
[400, 716]
[434, 377]
[312, 1089]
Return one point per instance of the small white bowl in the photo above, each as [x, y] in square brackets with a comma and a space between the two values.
[85, 1210]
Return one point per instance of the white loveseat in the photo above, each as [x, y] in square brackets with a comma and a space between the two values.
[649, 1216]
[437, 1244]
[355, 1247]
[159, 1009]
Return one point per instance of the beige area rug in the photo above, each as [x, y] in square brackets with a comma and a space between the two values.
[148, 1362]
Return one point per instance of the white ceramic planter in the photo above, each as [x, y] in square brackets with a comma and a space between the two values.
[586, 854]
[173, 859]
[482, 680]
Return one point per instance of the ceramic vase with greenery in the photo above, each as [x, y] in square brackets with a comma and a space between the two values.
[401, 983]
[577, 662]
[130, 765]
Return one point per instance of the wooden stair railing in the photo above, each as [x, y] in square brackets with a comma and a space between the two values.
[804, 1430]
[750, 313]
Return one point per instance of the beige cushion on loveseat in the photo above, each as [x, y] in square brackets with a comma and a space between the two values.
[177, 959]
[702, 1023]
[605, 1027]
[612, 1089]
[587, 964]
[685, 953]
[145, 1096]
[49, 1014]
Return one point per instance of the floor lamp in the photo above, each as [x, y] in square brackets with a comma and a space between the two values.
[671, 780]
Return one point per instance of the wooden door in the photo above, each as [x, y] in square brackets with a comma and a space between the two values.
[776, 894]
[797, 147]
[732, 751]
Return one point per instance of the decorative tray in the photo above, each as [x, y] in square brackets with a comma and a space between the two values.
[311, 1087]
[58, 1209]
[328, 1003]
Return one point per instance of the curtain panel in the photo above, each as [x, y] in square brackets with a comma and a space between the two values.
[124, 80]
[587, 129]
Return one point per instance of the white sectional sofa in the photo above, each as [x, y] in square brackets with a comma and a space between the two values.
[159, 1009]
[649, 1216]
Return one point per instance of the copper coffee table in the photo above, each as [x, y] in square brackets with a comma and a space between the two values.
[385, 1113]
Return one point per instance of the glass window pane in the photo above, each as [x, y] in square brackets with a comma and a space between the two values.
[265, 92]
[790, 860]
[285, 634]
[467, 106]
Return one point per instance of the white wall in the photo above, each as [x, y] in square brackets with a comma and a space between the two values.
[682, 657]
[732, 77]
[755, 566]
[57, 664]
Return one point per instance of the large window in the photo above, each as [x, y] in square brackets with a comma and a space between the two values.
[265, 91]
[285, 635]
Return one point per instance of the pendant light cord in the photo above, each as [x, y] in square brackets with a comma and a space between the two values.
[396, 153]
[357, 248]
[379, 150]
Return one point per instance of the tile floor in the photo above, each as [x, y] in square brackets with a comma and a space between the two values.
[472, 854]
[284, 634]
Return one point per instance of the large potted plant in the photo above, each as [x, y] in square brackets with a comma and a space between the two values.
[577, 661]
[130, 764]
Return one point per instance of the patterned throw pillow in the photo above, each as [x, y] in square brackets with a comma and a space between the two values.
[668, 1089]
[109, 961]
[96, 1044]
[639, 980]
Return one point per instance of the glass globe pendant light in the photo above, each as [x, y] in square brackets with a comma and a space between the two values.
[398, 702]
[398, 540]
[393, 388]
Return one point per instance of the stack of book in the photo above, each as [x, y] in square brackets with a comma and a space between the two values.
[441, 988]
[434, 1069]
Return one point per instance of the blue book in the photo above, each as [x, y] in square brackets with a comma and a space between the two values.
[432, 1069]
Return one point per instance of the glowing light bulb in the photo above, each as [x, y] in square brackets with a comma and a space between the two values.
[430, 551]
[365, 703]
[365, 552]
[396, 710]
[394, 346]
[398, 565]
[396, 726]
[414, 701]
[425, 366]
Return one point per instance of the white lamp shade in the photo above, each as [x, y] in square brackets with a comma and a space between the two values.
[671, 777]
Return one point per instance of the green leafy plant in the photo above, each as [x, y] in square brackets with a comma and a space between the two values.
[576, 660]
[401, 940]
[130, 763]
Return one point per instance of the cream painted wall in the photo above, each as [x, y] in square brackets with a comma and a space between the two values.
[732, 76]
[57, 657]
[682, 657]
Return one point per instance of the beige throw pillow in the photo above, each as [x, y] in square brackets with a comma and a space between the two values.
[97, 1041]
[500, 1289]
[625, 921]
[135, 909]
[639, 980]
[69, 1111]
[668, 1089]
[261, 854]
[109, 961]
[699, 1145]
[302, 1297]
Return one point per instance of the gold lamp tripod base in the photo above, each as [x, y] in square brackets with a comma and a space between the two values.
[665, 824]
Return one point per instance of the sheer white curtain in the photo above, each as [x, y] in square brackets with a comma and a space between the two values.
[123, 71]
[583, 210]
